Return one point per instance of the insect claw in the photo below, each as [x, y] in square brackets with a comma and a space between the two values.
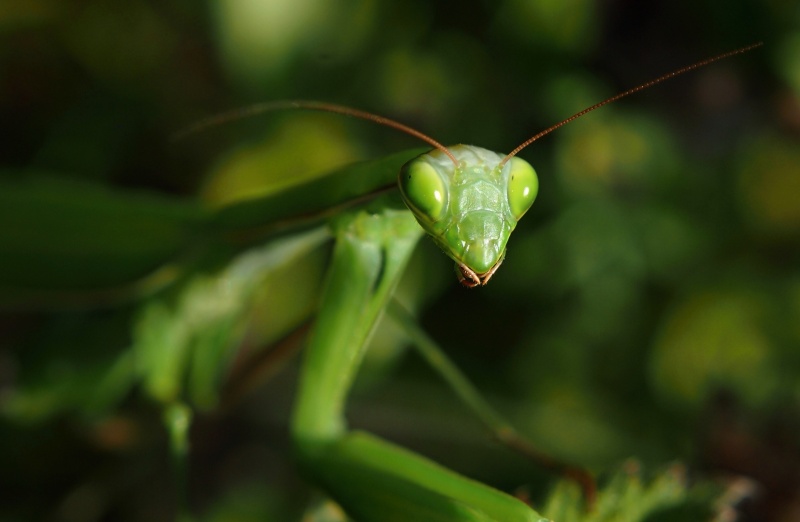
[467, 276]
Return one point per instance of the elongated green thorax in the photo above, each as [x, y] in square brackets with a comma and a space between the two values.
[469, 209]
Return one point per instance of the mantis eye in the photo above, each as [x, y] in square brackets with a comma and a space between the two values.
[423, 189]
[523, 185]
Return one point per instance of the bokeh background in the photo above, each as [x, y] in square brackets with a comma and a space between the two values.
[648, 308]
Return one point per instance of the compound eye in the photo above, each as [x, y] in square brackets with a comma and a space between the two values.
[423, 189]
[523, 185]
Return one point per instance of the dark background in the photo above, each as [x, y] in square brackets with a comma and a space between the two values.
[649, 306]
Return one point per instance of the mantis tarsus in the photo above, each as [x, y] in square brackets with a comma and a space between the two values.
[468, 200]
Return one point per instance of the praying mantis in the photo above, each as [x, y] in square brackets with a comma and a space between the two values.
[375, 230]
[468, 200]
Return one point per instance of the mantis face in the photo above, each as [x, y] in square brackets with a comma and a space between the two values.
[469, 209]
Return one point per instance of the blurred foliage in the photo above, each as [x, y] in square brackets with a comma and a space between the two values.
[649, 306]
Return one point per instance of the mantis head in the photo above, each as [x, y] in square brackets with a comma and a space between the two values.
[471, 207]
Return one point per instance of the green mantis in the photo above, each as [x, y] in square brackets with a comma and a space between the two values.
[468, 200]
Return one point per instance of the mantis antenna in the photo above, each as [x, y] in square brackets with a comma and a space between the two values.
[641, 87]
[261, 108]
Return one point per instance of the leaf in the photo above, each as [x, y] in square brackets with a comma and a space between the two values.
[341, 187]
[628, 497]
[63, 239]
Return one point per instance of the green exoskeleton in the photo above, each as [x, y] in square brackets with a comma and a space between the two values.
[469, 203]
[468, 200]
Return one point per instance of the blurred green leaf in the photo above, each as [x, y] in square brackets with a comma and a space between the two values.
[76, 366]
[73, 241]
[629, 497]
[715, 340]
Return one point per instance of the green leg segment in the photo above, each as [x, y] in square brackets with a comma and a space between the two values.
[491, 418]
[371, 478]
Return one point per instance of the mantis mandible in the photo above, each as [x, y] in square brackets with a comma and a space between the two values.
[468, 200]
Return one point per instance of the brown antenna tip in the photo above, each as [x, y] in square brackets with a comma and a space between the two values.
[636, 89]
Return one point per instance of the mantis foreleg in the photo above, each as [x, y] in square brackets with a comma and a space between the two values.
[502, 429]
[373, 479]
